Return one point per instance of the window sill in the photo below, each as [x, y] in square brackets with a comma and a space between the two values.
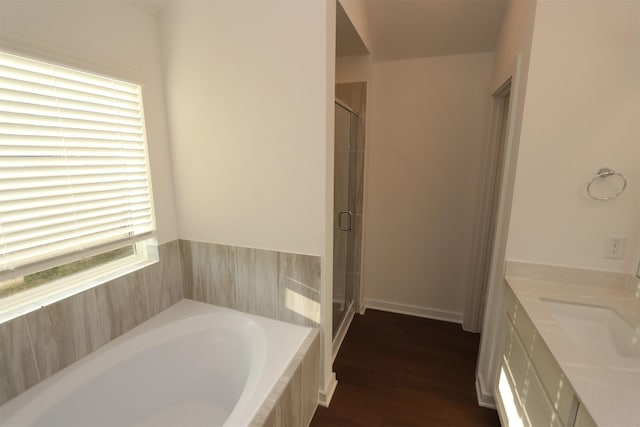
[44, 295]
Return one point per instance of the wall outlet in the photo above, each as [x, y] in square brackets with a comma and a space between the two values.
[614, 247]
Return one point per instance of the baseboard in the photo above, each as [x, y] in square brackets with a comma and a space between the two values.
[342, 330]
[485, 397]
[324, 399]
[413, 310]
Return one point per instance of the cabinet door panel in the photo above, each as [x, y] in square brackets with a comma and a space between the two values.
[510, 303]
[553, 380]
[525, 328]
[537, 404]
[583, 419]
[508, 402]
[516, 357]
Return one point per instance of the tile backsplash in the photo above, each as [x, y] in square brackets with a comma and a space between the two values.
[17, 364]
[564, 274]
[632, 285]
[278, 285]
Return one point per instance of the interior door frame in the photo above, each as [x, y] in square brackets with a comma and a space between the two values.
[490, 340]
[487, 218]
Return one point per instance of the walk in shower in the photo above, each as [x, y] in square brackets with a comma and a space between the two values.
[345, 157]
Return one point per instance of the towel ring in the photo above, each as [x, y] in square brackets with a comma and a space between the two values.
[604, 173]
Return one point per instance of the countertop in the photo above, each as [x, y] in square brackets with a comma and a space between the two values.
[608, 387]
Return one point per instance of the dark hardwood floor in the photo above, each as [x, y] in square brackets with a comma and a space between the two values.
[395, 370]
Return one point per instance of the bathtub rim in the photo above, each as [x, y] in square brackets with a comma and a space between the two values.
[246, 407]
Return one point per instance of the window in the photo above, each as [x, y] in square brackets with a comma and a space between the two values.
[74, 174]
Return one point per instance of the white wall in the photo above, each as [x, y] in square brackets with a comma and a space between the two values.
[428, 119]
[351, 69]
[111, 38]
[582, 112]
[580, 67]
[356, 11]
[328, 377]
[247, 102]
[513, 51]
[250, 89]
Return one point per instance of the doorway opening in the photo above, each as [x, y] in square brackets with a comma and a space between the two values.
[489, 208]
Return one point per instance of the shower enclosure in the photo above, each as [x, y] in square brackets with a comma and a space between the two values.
[346, 132]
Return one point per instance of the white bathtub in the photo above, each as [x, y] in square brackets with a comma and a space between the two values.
[192, 365]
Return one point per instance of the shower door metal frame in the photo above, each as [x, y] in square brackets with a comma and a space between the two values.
[344, 221]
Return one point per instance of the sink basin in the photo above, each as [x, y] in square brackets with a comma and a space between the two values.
[597, 330]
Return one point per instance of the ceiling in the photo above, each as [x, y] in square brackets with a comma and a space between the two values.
[402, 29]
[348, 42]
[151, 6]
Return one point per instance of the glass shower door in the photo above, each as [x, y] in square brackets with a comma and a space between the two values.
[343, 217]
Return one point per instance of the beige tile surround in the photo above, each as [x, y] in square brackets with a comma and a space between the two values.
[293, 400]
[41, 343]
[45, 341]
[255, 281]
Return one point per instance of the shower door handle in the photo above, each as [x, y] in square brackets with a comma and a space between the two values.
[349, 221]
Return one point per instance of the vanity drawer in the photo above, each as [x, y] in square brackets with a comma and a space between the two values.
[537, 406]
[583, 419]
[519, 318]
[525, 328]
[515, 357]
[510, 302]
[553, 380]
[507, 399]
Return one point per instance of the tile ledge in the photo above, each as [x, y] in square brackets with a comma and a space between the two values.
[567, 275]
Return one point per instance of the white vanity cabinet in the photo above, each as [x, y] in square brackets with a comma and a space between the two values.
[583, 419]
[539, 393]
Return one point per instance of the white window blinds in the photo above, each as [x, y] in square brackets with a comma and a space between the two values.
[74, 174]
